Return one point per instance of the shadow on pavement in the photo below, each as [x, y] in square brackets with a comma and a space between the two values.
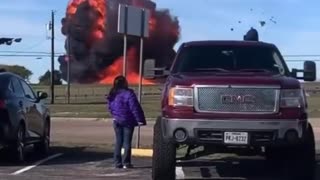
[244, 169]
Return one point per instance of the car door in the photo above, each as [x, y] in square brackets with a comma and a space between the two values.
[34, 119]
[18, 100]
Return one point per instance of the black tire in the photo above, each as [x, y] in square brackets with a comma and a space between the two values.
[43, 147]
[276, 159]
[17, 149]
[275, 156]
[301, 160]
[164, 156]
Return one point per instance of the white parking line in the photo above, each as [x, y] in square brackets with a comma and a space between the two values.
[179, 173]
[115, 174]
[36, 164]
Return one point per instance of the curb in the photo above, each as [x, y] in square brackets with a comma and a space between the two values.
[140, 152]
[78, 119]
[86, 119]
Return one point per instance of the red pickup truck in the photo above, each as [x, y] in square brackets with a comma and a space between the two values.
[235, 96]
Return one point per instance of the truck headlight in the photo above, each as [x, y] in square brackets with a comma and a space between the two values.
[291, 98]
[181, 96]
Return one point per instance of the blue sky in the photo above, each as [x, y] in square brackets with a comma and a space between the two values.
[297, 30]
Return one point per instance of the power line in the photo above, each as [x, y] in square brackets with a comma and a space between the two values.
[28, 55]
[297, 60]
[301, 55]
[36, 45]
[29, 52]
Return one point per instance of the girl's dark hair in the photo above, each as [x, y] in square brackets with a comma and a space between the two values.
[119, 83]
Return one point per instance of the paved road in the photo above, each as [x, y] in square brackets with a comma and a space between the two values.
[81, 153]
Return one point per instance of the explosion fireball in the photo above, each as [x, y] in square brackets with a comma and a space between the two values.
[96, 48]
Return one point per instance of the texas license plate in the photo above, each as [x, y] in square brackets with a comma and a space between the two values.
[236, 138]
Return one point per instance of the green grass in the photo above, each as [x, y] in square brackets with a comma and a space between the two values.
[89, 100]
[151, 109]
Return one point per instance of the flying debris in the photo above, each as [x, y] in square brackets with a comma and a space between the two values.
[272, 20]
[262, 23]
[96, 49]
[252, 35]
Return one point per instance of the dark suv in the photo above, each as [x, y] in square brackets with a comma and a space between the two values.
[25, 120]
[239, 97]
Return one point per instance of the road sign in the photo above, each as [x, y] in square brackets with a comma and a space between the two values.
[133, 21]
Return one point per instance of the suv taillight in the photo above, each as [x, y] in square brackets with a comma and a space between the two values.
[292, 98]
[181, 96]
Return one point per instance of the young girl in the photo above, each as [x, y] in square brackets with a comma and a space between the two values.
[127, 114]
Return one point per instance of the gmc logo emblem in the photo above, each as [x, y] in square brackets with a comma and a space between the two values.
[238, 99]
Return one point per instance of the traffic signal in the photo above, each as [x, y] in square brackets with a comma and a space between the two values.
[9, 41]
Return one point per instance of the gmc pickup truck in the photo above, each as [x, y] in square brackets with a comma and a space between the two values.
[235, 97]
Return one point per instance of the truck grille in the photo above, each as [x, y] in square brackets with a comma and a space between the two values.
[237, 99]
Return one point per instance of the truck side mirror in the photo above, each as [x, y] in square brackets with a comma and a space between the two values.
[152, 72]
[309, 71]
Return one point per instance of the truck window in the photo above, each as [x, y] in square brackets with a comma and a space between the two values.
[228, 58]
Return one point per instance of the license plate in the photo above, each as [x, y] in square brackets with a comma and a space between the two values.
[236, 137]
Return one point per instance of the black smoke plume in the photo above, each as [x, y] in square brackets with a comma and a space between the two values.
[90, 58]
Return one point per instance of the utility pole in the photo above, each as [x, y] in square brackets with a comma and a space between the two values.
[52, 56]
[69, 68]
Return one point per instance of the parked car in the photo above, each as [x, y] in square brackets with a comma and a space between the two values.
[25, 119]
[235, 97]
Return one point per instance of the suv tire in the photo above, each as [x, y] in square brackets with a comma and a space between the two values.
[164, 156]
[301, 160]
[42, 148]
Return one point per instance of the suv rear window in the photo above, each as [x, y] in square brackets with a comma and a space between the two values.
[229, 58]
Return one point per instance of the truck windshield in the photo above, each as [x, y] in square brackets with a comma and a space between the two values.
[229, 58]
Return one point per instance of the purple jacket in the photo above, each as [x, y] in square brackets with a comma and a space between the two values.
[126, 109]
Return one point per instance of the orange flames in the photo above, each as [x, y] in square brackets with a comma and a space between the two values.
[116, 69]
[99, 26]
[152, 24]
[73, 6]
[99, 32]
[98, 29]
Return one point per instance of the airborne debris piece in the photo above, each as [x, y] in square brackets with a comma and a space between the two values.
[262, 23]
[252, 35]
[97, 48]
[272, 20]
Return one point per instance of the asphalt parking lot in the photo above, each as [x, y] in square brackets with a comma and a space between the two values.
[86, 163]
[94, 162]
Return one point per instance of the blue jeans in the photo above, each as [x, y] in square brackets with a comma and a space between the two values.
[123, 140]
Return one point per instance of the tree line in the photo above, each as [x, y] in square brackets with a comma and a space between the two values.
[25, 73]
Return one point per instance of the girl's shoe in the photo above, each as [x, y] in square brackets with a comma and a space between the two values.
[118, 167]
[129, 166]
